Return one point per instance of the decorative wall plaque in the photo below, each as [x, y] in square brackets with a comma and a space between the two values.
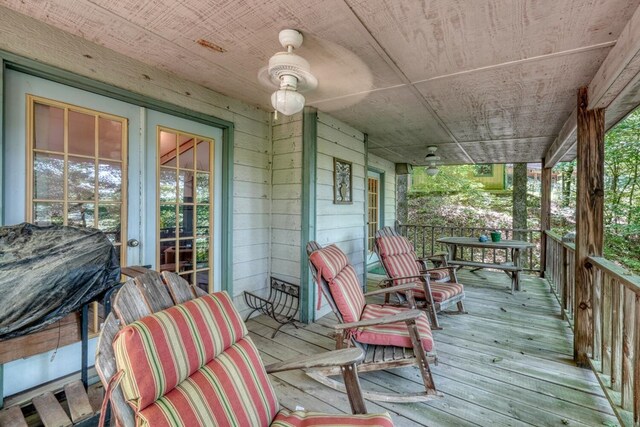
[342, 189]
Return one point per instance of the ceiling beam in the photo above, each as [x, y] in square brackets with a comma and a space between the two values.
[619, 70]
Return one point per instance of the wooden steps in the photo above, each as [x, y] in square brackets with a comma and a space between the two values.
[73, 407]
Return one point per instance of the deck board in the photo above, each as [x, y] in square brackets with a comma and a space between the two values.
[508, 362]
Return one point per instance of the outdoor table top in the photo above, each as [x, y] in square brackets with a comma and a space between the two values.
[473, 241]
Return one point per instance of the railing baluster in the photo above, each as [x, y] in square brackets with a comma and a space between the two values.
[628, 348]
[606, 324]
[616, 336]
[596, 298]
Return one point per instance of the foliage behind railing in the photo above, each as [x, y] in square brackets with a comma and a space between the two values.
[424, 239]
[615, 305]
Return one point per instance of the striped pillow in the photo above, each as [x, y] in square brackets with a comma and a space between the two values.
[396, 334]
[394, 245]
[329, 261]
[345, 288]
[160, 351]
[231, 390]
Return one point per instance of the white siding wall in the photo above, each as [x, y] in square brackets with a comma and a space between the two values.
[389, 202]
[341, 224]
[252, 149]
[286, 218]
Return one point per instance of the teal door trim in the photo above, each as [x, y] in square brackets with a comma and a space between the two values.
[380, 193]
[58, 75]
[308, 229]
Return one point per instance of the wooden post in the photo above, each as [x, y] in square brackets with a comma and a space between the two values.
[589, 220]
[545, 214]
[402, 207]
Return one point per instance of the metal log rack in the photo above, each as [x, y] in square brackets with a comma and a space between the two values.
[282, 303]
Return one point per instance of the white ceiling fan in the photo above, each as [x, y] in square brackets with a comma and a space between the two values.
[432, 161]
[337, 77]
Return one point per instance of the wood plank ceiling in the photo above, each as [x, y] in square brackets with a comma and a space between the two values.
[485, 80]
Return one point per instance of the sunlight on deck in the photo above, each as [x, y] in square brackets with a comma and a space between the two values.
[508, 362]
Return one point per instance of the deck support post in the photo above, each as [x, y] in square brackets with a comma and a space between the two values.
[402, 207]
[589, 220]
[545, 214]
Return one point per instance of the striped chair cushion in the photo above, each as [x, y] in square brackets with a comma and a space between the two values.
[440, 274]
[343, 283]
[231, 390]
[442, 291]
[329, 261]
[311, 419]
[394, 333]
[393, 245]
[160, 351]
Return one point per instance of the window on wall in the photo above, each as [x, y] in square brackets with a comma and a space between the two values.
[374, 190]
[185, 206]
[77, 168]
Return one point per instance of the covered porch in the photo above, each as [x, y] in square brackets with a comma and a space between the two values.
[508, 362]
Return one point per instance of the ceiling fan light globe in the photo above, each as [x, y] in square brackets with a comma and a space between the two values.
[287, 102]
[432, 171]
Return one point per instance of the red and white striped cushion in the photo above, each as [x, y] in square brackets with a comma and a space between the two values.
[343, 281]
[160, 351]
[442, 291]
[396, 334]
[312, 419]
[329, 261]
[439, 274]
[231, 390]
[394, 245]
[399, 259]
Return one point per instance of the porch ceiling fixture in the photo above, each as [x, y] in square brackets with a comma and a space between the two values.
[290, 73]
[432, 161]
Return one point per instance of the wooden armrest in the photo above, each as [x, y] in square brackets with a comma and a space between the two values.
[347, 356]
[399, 288]
[435, 255]
[388, 280]
[428, 270]
[400, 317]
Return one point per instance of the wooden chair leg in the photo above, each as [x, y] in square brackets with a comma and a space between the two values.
[435, 325]
[421, 358]
[354, 392]
[461, 307]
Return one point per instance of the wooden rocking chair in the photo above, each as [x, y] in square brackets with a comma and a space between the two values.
[440, 286]
[172, 348]
[391, 336]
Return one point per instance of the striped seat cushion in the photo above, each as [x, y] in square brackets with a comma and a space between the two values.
[343, 281]
[395, 334]
[231, 390]
[442, 291]
[440, 274]
[311, 419]
[183, 362]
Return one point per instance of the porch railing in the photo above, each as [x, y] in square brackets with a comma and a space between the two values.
[560, 272]
[424, 241]
[615, 342]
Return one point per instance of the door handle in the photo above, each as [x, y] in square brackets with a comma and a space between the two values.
[133, 243]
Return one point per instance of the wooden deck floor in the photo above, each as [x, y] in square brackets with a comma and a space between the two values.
[508, 362]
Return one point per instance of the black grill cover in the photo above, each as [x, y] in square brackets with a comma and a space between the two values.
[49, 272]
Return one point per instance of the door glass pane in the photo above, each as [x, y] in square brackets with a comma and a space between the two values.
[81, 178]
[185, 144]
[168, 148]
[168, 185]
[48, 180]
[185, 184]
[203, 156]
[167, 221]
[185, 214]
[49, 128]
[202, 188]
[48, 213]
[186, 255]
[202, 252]
[109, 221]
[202, 220]
[167, 256]
[81, 215]
[109, 139]
[82, 134]
[110, 181]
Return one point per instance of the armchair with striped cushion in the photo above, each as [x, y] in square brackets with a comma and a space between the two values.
[391, 336]
[185, 358]
[439, 286]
